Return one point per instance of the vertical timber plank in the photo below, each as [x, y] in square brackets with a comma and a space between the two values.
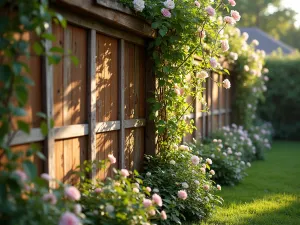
[48, 87]
[92, 95]
[122, 103]
[149, 92]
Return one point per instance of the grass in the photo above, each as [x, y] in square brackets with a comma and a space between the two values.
[270, 195]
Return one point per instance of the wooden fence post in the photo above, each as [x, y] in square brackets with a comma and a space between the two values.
[92, 97]
[49, 142]
[150, 126]
[122, 103]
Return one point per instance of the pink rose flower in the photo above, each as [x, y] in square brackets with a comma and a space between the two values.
[213, 62]
[152, 212]
[206, 187]
[195, 160]
[49, 197]
[209, 161]
[147, 203]
[197, 4]
[166, 13]
[203, 170]
[112, 159]
[177, 91]
[219, 187]
[148, 189]
[124, 173]
[136, 190]
[210, 11]
[69, 218]
[163, 215]
[98, 190]
[46, 176]
[224, 45]
[235, 15]
[232, 2]
[22, 175]
[182, 194]
[230, 20]
[157, 199]
[72, 193]
[226, 84]
[212, 172]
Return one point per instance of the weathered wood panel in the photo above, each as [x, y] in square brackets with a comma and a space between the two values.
[106, 78]
[107, 143]
[134, 148]
[134, 81]
[70, 105]
[107, 98]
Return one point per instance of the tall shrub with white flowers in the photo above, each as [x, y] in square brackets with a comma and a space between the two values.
[248, 73]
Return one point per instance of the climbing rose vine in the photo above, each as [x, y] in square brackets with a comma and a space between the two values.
[187, 49]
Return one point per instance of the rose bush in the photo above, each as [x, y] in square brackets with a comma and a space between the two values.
[184, 28]
[228, 167]
[183, 180]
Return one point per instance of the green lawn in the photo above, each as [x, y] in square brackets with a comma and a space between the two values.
[270, 195]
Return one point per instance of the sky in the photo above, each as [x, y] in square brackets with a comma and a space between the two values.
[295, 5]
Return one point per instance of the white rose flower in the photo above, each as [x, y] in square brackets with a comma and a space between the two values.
[139, 5]
[169, 4]
[185, 185]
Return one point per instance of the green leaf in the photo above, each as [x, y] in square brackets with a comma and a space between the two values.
[21, 94]
[57, 49]
[30, 169]
[155, 25]
[226, 71]
[44, 128]
[38, 48]
[74, 60]
[23, 126]
[42, 115]
[54, 59]
[48, 36]
[16, 111]
[40, 155]
[163, 31]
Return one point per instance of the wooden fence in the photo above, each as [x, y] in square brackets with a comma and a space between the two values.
[219, 103]
[99, 106]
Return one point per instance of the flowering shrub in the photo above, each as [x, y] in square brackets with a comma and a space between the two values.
[118, 200]
[183, 180]
[229, 168]
[27, 199]
[261, 136]
[237, 139]
[184, 28]
[249, 74]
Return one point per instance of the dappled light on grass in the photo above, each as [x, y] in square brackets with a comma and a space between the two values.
[269, 210]
[270, 195]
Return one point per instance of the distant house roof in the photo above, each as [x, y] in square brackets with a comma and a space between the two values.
[267, 42]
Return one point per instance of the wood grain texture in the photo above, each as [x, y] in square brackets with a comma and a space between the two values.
[107, 86]
[92, 97]
[70, 99]
[112, 17]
